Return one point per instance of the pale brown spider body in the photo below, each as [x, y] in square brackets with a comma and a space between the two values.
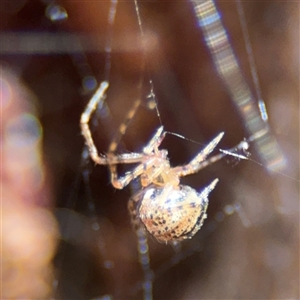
[168, 210]
[172, 213]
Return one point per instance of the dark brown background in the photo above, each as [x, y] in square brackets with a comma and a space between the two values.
[225, 260]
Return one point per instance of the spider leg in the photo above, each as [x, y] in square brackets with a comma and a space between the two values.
[84, 123]
[127, 158]
[199, 161]
[143, 247]
[243, 146]
[124, 158]
[155, 140]
[123, 127]
[121, 182]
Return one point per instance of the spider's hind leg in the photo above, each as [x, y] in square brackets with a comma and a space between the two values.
[142, 245]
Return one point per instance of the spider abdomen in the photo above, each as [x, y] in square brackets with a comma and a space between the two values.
[173, 213]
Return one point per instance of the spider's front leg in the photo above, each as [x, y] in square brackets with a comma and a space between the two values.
[85, 119]
[146, 163]
[199, 161]
[155, 141]
[121, 182]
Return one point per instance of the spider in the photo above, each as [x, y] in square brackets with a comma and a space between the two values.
[168, 210]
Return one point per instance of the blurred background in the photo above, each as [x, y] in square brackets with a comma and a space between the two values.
[66, 232]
